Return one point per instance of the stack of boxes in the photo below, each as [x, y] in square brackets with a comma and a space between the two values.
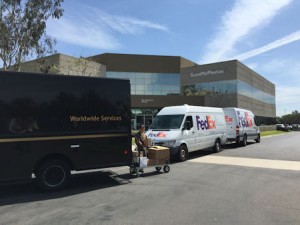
[158, 155]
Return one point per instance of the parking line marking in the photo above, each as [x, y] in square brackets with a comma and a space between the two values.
[249, 162]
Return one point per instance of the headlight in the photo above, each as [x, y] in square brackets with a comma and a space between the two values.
[170, 143]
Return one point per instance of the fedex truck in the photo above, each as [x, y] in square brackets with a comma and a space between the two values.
[188, 128]
[241, 126]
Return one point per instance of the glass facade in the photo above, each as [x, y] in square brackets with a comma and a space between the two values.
[252, 92]
[218, 87]
[150, 83]
[228, 87]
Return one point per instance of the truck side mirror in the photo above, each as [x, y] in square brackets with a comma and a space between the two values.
[187, 125]
[258, 123]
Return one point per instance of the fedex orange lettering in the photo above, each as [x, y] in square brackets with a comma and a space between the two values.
[159, 134]
[228, 119]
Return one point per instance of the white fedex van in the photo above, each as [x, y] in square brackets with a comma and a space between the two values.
[241, 126]
[188, 128]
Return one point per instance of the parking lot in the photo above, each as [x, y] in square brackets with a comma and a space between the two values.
[256, 184]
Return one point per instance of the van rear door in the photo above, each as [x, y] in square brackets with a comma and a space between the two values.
[231, 123]
[251, 126]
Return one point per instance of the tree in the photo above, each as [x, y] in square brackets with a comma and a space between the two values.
[23, 30]
[293, 118]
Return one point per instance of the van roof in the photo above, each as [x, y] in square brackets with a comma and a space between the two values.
[183, 109]
[240, 109]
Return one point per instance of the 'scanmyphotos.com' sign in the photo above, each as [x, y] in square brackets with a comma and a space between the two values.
[207, 73]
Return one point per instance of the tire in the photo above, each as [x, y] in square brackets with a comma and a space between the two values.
[244, 141]
[158, 168]
[182, 154]
[217, 146]
[166, 169]
[53, 175]
[258, 139]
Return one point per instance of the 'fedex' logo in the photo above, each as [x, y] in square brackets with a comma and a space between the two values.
[245, 120]
[228, 119]
[207, 123]
[159, 134]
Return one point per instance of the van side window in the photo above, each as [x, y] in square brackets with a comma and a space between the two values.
[190, 119]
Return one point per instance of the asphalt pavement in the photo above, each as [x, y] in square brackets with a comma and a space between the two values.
[257, 184]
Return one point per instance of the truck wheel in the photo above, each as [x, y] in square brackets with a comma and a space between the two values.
[244, 141]
[53, 175]
[258, 139]
[217, 146]
[182, 154]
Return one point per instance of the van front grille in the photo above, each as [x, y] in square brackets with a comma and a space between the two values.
[159, 143]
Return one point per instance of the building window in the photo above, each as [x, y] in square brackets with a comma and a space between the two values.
[218, 87]
[228, 87]
[150, 83]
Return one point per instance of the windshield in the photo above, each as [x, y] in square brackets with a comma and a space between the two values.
[167, 122]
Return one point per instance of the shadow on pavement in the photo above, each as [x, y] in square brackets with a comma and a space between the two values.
[84, 182]
[228, 147]
[148, 172]
[200, 153]
[80, 183]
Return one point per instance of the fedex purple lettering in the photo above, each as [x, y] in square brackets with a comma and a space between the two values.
[207, 123]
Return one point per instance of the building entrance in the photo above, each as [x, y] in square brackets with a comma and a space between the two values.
[145, 120]
[142, 117]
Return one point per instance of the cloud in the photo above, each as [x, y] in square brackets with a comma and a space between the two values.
[287, 95]
[284, 72]
[275, 44]
[240, 21]
[287, 99]
[97, 29]
[81, 33]
[127, 25]
[253, 65]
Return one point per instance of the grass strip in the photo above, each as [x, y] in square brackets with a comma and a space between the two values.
[272, 132]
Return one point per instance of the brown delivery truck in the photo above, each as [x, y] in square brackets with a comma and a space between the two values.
[53, 124]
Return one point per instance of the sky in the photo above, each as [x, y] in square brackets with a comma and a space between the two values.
[262, 34]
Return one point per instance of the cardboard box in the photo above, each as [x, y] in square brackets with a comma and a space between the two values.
[154, 162]
[159, 152]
